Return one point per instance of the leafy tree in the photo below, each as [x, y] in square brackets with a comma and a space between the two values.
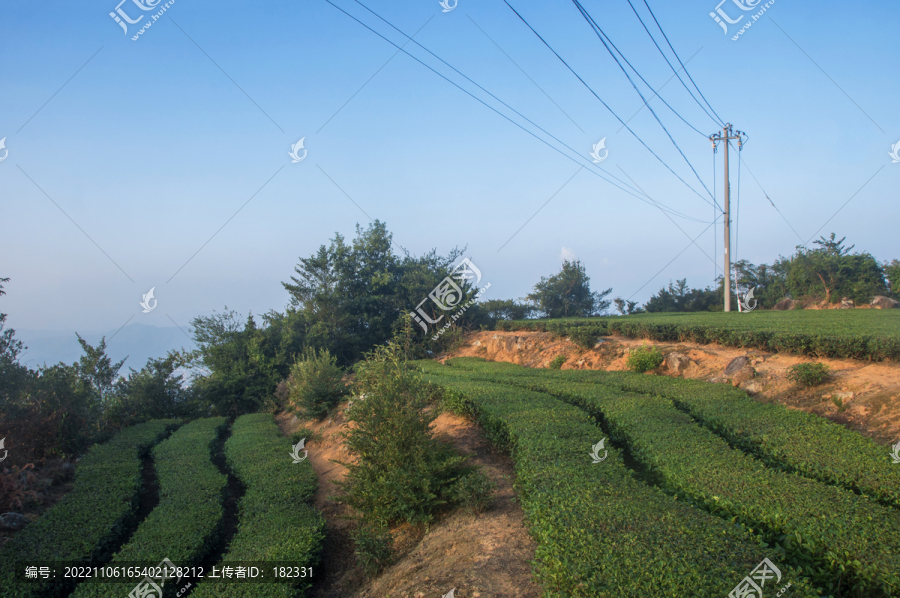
[679, 298]
[568, 294]
[154, 392]
[625, 307]
[833, 271]
[351, 296]
[505, 309]
[12, 373]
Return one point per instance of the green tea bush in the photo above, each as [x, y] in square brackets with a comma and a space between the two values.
[809, 374]
[185, 524]
[644, 359]
[401, 472]
[92, 519]
[601, 532]
[473, 491]
[822, 527]
[586, 336]
[374, 548]
[275, 521]
[315, 384]
[557, 362]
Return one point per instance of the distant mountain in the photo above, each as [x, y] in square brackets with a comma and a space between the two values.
[137, 342]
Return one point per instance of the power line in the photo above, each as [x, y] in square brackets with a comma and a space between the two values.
[663, 54]
[601, 35]
[772, 202]
[721, 122]
[600, 99]
[628, 191]
[479, 86]
[676, 257]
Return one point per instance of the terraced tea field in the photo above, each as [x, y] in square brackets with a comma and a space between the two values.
[870, 334]
[100, 533]
[631, 486]
[699, 484]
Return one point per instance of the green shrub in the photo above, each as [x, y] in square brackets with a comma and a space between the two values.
[315, 384]
[91, 520]
[809, 374]
[644, 359]
[275, 521]
[374, 548]
[557, 362]
[473, 491]
[400, 471]
[455, 403]
[586, 336]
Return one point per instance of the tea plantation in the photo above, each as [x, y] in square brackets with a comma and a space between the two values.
[870, 334]
[700, 484]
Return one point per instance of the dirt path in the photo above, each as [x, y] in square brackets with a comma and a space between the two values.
[488, 555]
[862, 395]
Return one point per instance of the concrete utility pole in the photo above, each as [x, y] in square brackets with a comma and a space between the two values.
[727, 135]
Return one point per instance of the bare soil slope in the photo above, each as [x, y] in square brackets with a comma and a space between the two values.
[488, 555]
[862, 395]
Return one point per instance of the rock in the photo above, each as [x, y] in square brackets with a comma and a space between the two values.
[678, 362]
[751, 386]
[476, 344]
[847, 303]
[786, 304]
[880, 302]
[745, 374]
[12, 521]
[736, 365]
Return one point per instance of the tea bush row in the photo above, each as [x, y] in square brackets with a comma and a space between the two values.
[600, 532]
[782, 438]
[275, 521]
[830, 532]
[184, 525]
[93, 517]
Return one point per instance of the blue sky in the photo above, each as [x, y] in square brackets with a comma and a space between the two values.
[149, 147]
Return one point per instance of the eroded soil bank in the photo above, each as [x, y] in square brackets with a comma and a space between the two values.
[862, 395]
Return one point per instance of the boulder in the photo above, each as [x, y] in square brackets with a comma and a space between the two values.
[880, 302]
[736, 365]
[678, 363]
[745, 374]
[786, 304]
[847, 303]
[12, 521]
[751, 386]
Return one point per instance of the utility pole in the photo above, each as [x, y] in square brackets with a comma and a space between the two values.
[727, 134]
